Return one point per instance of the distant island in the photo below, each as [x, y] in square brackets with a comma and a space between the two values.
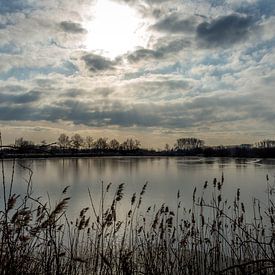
[78, 146]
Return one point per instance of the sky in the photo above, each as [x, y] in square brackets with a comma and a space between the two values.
[155, 70]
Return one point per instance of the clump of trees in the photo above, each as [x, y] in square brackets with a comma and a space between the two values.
[78, 142]
[188, 143]
[64, 141]
[114, 144]
[101, 144]
[130, 144]
[266, 143]
[89, 142]
[22, 143]
[70, 145]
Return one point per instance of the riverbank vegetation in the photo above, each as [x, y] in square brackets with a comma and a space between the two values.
[78, 146]
[214, 236]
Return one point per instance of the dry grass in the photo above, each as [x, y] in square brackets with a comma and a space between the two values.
[210, 238]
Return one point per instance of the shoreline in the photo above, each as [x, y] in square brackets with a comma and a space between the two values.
[105, 155]
[9, 152]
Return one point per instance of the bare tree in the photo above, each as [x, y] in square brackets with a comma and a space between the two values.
[188, 143]
[89, 141]
[167, 147]
[137, 144]
[114, 144]
[22, 143]
[266, 143]
[101, 144]
[130, 144]
[64, 141]
[77, 141]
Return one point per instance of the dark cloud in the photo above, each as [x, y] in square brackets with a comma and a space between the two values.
[10, 48]
[142, 54]
[194, 112]
[72, 93]
[82, 93]
[138, 2]
[21, 98]
[258, 9]
[72, 27]
[132, 117]
[101, 113]
[163, 87]
[12, 6]
[173, 46]
[217, 3]
[179, 115]
[24, 73]
[225, 30]
[103, 91]
[2, 26]
[12, 88]
[17, 112]
[174, 24]
[96, 63]
[67, 110]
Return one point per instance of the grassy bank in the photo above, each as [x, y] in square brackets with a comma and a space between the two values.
[213, 237]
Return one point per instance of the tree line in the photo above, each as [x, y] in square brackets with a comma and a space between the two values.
[77, 141]
[89, 146]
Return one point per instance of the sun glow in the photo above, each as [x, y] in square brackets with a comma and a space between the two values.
[115, 30]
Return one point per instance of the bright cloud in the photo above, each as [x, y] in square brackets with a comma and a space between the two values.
[115, 29]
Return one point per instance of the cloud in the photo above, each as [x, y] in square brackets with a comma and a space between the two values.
[189, 76]
[2, 26]
[72, 27]
[225, 30]
[8, 6]
[257, 9]
[198, 112]
[96, 63]
[156, 90]
[23, 73]
[159, 104]
[12, 88]
[21, 98]
[72, 93]
[9, 48]
[174, 24]
[173, 46]
[142, 54]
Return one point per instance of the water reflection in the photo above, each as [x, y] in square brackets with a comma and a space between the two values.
[165, 176]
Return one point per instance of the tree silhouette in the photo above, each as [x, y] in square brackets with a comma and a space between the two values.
[89, 141]
[266, 143]
[64, 141]
[114, 144]
[130, 144]
[188, 143]
[101, 144]
[167, 147]
[77, 141]
[22, 143]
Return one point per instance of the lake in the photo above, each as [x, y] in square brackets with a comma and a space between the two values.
[165, 176]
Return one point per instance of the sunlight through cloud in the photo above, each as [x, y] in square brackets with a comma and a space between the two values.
[116, 29]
